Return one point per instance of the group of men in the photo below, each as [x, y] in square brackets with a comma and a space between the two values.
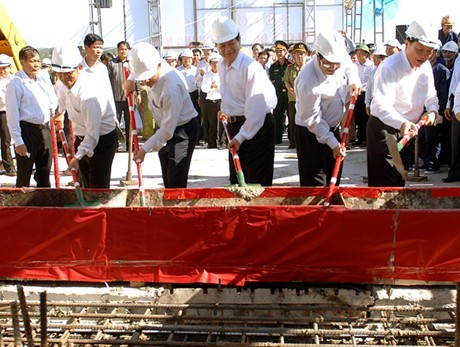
[313, 90]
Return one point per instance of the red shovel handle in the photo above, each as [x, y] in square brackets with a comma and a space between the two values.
[411, 133]
[343, 141]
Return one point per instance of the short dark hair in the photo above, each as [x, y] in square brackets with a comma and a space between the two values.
[26, 52]
[257, 44]
[123, 43]
[91, 38]
[264, 52]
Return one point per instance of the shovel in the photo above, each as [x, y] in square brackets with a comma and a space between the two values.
[339, 159]
[235, 156]
[132, 118]
[395, 147]
[81, 201]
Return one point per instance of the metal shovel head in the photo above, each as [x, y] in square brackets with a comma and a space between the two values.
[392, 145]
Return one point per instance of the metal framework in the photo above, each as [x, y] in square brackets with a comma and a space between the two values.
[95, 18]
[155, 32]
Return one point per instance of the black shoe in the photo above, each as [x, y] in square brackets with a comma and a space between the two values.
[212, 146]
[363, 145]
[291, 146]
[449, 179]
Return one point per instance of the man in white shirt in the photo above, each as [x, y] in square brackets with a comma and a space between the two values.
[248, 97]
[210, 86]
[172, 110]
[365, 68]
[321, 88]
[403, 86]
[30, 102]
[93, 118]
[5, 76]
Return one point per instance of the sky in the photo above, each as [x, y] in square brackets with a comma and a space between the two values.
[49, 23]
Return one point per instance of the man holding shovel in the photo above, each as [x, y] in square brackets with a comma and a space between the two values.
[93, 118]
[248, 97]
[403, 86]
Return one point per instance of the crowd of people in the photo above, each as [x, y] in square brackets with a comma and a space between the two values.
[299, 89]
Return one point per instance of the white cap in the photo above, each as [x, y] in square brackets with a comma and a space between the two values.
[187, 53]
[380, 50]
[208, 45]
[214, 57]
[393, 43]
[223, 29]
[143, 61]
[170, 55]
[450, 46]
[66, 58]
[331, 45]
[5, 60]
[425, 35]
[46, 62]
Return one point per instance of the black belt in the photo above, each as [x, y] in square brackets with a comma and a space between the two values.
[236, 119]
[38, 126]
[216, 101]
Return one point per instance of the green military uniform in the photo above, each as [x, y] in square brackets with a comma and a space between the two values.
[276, 74]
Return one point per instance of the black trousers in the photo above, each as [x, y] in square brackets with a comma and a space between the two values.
[380, 170]
[361, 118]
[316, 160]
[280, 115]
[38, 143]
[454, 170]
[257, 155]
[195, 97]
[291, 116]
[176, 155]
[95, 172]
[7, 158]
[123, 109]
[209, 113]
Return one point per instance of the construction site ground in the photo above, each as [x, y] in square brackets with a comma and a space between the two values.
[209, 168]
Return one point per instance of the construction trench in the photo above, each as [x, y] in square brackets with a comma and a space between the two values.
[230, 267]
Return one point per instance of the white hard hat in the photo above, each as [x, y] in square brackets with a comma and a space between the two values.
[426, 35]
[331, 45]
[214, 57]
[208, 45]
[170, 55]
[450, 46]
[143, 61]
[46, 62]
[393, 43]
[187, 53]
[65, 58]
[5, 60]
[380, 50]
[223, 29]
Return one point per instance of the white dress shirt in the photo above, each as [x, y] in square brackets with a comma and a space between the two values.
[202, 64]
[454, 82]
[100, 70]
[212, 92]
[189, 75]
[364, 72]
[28, 100]
[401, 92]
[170, 104]
[370, 92]
[246, 90]
[89, 109]
[321, 98]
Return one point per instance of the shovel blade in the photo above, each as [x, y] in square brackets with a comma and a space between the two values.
[392, 145]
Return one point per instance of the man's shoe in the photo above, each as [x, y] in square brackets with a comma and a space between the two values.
[291, 146]
[431, 170]
[11, 172]
[449, 179]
